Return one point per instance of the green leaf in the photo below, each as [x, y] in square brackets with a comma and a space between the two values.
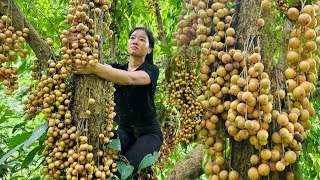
[115, 144]
[7, 114]
[3, 169]
[19, 126]
[31, 155]
[2, 107]
[124, 169]
[17, 139]
[148, 160]
[36, 134]
[6, 156]
[23, 66]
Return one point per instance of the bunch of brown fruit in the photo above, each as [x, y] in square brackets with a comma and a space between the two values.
[237, 90]
[82, 19]
[293, 118]
[283, 5]
[169, 143]
[67, 149]
[207, 24]
[12, 42]
[179, 94]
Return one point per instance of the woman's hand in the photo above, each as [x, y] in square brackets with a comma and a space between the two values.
[84, 69]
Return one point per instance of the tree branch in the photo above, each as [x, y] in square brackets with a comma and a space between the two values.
[189, 167]
[160, 25]
[42, 51]
[113, 28]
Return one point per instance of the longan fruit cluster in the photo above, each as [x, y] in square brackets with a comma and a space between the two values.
[252, 112]
[169, 143]
[60, 145]
[283, 5]
[180, 96]
[50, 97]
[254, 101]
[292, 119]
[183, 108]
[303, 61]
[107, 166]
[67, 149]
[237, 90]
[12, 43]
[48, 94]
[81, 160]
[110, 105]
[215, 168]
[83, 18]
[207, 24]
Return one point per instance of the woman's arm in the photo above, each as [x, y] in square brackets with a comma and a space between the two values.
[117, 76]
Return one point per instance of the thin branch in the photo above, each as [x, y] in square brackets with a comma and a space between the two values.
[113, 28]
[160, 24]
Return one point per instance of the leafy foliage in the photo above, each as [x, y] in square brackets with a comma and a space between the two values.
[149, 160]
[311, 147]
[124, 169]
[115, 144]
[20, 147]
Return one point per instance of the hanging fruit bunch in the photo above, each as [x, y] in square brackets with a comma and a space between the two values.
[12, 43]
[67, 149]
[293, 119]
[283, 5]
[169, 143]
[180, 96]
[220, 61]
[237, 92]
[207, 24]
[256, 110]
[182, 102]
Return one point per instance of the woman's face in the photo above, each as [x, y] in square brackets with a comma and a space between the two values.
[138, 44]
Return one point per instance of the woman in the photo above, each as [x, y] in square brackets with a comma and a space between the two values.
[135, 82]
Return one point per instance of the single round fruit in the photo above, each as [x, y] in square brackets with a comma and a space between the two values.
[253, 173]
[293, 13]
[264, 169]
[290, 157]
[304, 19]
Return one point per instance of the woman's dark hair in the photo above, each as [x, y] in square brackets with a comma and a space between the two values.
[149, 57]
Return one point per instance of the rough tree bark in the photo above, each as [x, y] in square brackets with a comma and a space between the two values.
[113, 27]
[189, 167]
[159, 24]
[91, 86]
[248, 14]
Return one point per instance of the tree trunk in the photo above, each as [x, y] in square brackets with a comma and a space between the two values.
[189, 167]
[248, 14]
[91, 87]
